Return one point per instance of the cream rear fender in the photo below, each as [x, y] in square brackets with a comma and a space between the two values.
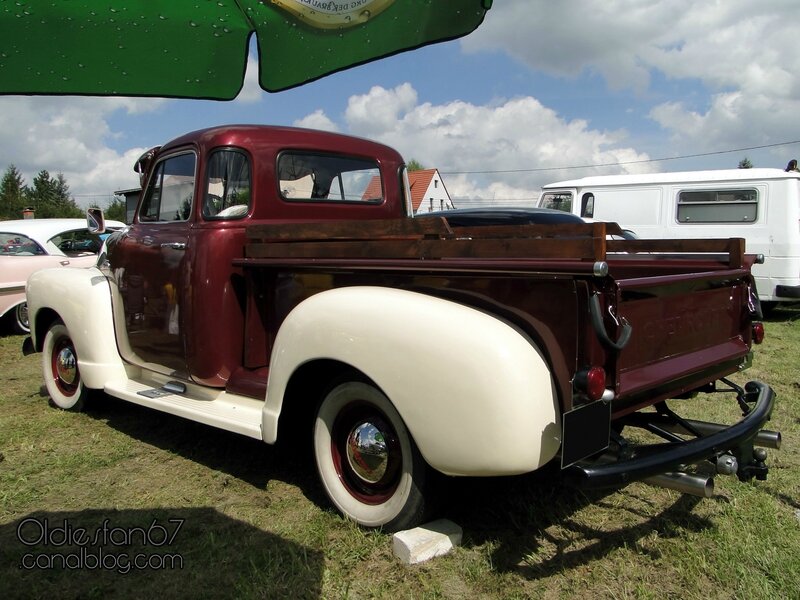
[475, 393]
[81, 299]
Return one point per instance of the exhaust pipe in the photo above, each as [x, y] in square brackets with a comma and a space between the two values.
[684, 483]
[764, 438]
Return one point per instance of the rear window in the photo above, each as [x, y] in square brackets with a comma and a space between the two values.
[718, 206]
[308, 177]
[15, 244]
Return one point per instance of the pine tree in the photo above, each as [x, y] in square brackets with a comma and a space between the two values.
[13, 194]
[50, 197]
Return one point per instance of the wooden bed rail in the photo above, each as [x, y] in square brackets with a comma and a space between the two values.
[435, 238]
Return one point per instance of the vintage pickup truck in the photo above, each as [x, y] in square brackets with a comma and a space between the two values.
[274, 282]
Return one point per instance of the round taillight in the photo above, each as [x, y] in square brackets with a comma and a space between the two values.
[592, 382]
[758, 333]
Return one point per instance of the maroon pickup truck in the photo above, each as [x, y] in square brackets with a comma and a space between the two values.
[274, 278]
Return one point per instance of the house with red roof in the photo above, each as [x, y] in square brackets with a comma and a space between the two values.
[428, 192]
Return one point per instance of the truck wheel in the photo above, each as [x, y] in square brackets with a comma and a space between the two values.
[19, 319]
[368, 463]
[60, 366]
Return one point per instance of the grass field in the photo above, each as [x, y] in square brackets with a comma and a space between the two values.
[124, 502]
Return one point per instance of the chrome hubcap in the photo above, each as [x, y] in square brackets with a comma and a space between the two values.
[367, 452]
[67, 366]
[22, 314]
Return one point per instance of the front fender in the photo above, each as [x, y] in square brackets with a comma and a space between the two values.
[475, 393]
[80, 297]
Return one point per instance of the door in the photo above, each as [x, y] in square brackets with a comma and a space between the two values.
[149, 268]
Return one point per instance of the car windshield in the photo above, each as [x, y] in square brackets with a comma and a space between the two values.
[15, 244]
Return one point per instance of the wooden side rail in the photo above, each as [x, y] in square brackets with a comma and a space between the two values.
[733, 247]
[351, 230]
[435, 238]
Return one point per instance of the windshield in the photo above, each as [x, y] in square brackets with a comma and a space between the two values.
[556, 200]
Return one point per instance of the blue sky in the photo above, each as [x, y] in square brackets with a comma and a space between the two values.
[540, 87]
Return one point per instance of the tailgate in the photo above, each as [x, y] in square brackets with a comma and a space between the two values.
[685, 330]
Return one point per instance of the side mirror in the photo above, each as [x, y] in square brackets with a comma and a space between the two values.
[95, 221]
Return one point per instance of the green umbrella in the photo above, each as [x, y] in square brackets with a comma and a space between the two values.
[198, 48]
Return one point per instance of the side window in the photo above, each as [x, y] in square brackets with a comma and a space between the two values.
[557, 200]
[305, 177]
[171, 190]
[587, 205]
[227, 187]
[718, 206]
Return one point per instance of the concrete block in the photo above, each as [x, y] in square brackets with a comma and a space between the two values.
[422, 543]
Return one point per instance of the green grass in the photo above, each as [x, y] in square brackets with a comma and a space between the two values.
[254, 523]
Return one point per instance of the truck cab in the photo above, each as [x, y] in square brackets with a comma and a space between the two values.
[179, 300]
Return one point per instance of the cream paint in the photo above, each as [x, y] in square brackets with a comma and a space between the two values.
[81, 299]
[475, 393]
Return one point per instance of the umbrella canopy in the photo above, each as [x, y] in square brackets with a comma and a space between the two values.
[198, 48]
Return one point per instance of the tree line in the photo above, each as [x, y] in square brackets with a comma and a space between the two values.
[48, 196]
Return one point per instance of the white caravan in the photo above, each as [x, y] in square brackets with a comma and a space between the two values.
[760, 205]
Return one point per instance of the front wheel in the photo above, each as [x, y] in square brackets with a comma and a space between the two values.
[369, 466]
[62, 377]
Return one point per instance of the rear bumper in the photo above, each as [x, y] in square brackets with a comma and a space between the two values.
[674, 455]
[788, 291]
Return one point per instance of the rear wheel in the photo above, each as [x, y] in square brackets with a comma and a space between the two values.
[369, 466]
[62, 377]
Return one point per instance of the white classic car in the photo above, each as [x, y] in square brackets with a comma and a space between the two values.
[27, 245]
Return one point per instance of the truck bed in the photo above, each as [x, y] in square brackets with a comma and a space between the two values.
[685, 304]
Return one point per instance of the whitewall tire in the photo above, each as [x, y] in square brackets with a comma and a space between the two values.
[62, 377]
[19, 318]
[367, 461]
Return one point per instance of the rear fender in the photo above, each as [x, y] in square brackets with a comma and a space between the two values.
[475, 393]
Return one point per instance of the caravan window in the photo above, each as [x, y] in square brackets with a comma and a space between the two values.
[587, 205]
[556, 200]
[718, 206]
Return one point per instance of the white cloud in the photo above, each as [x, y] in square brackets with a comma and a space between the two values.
[317, 120]
[379, 109]
[511, 135]
[743, 53]
[70, 135]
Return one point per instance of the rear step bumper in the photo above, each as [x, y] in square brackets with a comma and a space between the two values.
[736, 438]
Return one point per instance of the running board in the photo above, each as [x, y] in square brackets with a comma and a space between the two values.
[230, 412]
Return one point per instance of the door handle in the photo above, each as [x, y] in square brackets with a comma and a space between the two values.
[174, 245]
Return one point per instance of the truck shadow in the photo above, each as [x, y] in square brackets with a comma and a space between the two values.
[151, 553]
[784, 313]
[513, 515]
[246, 459]
[536, 526]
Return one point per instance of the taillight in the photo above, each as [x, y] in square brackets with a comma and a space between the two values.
[591, 382]
[758, 333]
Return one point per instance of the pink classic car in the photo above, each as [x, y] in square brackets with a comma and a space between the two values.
[32, 244]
